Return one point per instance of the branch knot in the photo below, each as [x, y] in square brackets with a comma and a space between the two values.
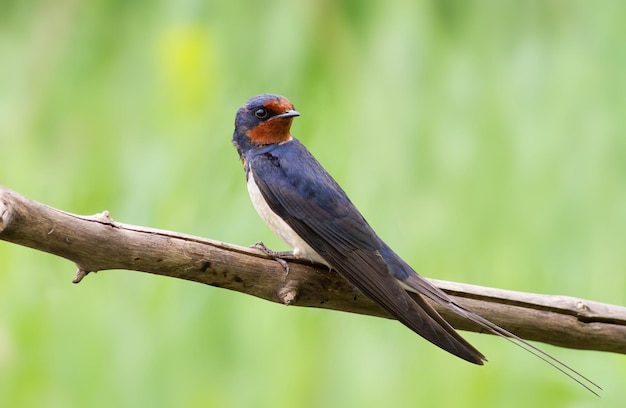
[288, 293]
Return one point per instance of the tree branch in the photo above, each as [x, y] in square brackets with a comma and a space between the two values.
[98, 243]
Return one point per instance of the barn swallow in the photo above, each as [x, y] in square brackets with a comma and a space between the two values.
[306, 208]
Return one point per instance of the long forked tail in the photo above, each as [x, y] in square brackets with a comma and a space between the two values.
[416, 285]
[534, 350]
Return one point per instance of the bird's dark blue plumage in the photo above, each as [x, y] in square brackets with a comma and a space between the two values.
[306, 207]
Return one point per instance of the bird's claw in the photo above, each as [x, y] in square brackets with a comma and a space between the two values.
[275, 255]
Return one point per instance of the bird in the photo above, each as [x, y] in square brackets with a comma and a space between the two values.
[304, 205]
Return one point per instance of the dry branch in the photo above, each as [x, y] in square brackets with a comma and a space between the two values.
[97, 243]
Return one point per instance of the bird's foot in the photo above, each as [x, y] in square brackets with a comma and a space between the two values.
[276, 255]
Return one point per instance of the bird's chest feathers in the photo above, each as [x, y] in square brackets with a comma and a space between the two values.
[278, 225]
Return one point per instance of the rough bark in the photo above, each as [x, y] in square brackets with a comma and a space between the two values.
[97, 243]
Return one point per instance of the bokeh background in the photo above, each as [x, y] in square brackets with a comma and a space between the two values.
[484, 141]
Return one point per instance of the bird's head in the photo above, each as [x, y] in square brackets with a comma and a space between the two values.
[263, 120]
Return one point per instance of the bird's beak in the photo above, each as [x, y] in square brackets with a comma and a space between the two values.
[288, 114]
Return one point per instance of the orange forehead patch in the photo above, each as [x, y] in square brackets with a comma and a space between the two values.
[278, 105]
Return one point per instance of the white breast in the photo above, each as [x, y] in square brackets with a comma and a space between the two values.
[300, 248]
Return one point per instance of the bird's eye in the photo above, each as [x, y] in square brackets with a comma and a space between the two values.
[260, 113]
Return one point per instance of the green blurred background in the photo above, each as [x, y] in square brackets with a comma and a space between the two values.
[484, 141]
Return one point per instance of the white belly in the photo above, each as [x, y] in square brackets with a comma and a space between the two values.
[300, 248]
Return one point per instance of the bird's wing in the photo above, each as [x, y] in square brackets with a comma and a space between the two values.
[302, 193]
